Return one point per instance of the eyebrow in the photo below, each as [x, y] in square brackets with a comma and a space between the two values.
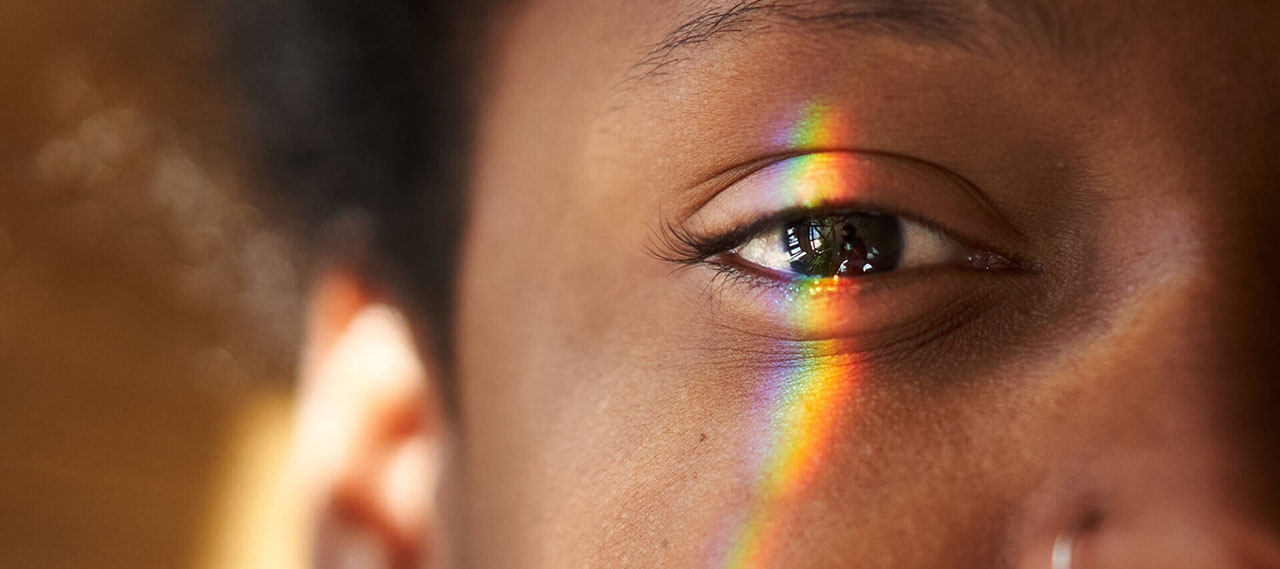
[948, 22]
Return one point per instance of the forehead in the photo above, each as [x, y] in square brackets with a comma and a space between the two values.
[663, 32]
[580, 78]
[611, 49]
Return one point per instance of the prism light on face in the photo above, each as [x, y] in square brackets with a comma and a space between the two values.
[800, 405]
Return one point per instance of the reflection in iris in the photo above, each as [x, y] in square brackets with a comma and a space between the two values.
[833, 245]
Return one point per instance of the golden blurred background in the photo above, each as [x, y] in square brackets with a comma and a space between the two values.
[148, 298]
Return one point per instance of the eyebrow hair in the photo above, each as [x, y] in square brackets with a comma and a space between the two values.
[950, 22]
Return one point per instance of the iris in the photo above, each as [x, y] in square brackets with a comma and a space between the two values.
[849, 244]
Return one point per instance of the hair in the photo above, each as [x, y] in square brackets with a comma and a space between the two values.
[368, 107]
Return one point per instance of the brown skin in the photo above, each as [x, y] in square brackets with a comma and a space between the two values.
[1119, 382]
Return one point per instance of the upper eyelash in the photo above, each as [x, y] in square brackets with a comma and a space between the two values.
[676, 244]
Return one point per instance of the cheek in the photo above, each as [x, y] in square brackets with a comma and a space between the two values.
[570, 398]
[607, 417]
[564, 355]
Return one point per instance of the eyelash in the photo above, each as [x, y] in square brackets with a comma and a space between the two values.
[678, 245]
[681, 246]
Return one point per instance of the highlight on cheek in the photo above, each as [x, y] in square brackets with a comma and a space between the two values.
[798, 408]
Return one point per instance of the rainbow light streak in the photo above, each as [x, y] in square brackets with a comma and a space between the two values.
[800, 405]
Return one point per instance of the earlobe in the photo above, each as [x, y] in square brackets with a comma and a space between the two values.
[369, 433]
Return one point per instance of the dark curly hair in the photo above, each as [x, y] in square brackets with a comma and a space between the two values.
[368, 107]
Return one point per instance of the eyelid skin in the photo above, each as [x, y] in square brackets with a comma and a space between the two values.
[873, 314]
[885, 309]
[846, 180]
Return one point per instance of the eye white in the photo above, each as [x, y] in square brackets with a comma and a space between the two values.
[921, 246]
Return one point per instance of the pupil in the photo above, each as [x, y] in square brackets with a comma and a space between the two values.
[852, 244]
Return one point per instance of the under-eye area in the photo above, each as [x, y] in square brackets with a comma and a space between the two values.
[840, 245]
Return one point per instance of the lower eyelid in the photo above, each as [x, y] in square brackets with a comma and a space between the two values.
[871, 312]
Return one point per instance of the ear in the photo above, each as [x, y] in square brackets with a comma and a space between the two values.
[370, 433]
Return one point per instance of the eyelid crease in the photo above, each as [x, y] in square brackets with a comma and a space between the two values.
[705, 189]
[680, 239]
[984, 201]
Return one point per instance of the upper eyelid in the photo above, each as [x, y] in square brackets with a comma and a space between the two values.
[882, 182]
[709, 186]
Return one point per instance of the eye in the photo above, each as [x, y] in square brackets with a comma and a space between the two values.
[795, 249]
[854, 244]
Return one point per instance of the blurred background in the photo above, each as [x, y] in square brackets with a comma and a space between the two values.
[148, 298]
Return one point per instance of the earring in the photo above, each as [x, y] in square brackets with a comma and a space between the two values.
[1062, 549]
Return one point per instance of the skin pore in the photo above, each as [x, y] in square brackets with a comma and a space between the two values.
[1079, 345]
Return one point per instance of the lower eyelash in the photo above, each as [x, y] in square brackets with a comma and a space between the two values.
[727, 274]
[730, 274]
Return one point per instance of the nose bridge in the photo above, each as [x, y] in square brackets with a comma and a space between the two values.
[1178, 420]
[1242, 335]
[1201, 396]
[1219, 325]
[1198, 309]
[1202, 305]
[1211, 316]
[1204, 332]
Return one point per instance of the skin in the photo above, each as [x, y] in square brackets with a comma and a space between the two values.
[1117, 386]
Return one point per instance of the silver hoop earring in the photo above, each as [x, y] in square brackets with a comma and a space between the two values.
[1062, 549]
